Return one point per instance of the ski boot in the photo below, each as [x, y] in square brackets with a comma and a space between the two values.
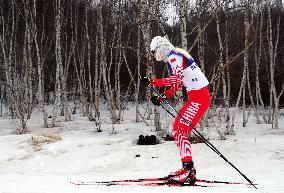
[187, 174]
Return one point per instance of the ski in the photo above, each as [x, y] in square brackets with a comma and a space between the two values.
[157, 182]
[141, 183]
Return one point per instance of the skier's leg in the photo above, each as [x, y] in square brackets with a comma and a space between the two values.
[181, 130]
[192, 111]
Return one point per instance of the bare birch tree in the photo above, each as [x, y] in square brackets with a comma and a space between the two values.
[79, 60]
[7, 39]
[17, 66]
[201, 48]
[273, 51]
[97, 83]
[146, 11]
[183, 19]
[143, 18]
[22, 61]
[137, 85]
[105, 68]
[89, 63]
[117, 59]
[58, 54]
[39, 46]
[222, 60]
[258, 55]
[245, 76]
[222, 85]
[93, 80]
[135, 81]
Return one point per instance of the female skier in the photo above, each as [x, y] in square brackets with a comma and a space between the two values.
[184, 72]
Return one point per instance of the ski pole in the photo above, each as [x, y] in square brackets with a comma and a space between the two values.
[202, 138]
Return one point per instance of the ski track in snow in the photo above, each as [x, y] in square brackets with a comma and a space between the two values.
[85, 155]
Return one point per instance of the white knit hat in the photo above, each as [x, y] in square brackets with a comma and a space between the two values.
[162, 47]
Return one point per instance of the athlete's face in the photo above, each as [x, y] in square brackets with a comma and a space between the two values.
[156, 55]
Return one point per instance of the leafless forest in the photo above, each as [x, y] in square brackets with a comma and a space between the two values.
[92, 52]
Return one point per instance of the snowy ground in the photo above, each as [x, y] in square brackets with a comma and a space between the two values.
[85, 155]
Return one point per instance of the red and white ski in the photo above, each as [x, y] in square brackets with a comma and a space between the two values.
[157, 182]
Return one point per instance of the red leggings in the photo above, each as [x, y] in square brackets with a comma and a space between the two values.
[192, 111]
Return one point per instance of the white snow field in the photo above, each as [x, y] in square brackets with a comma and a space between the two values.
[86, 155]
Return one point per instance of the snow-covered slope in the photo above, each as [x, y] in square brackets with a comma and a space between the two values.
[85, 155]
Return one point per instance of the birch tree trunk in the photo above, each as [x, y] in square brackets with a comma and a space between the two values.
[23, 74]
[222, 86]
[40, 64]
[201, 51]
[183, 9]
[66, 54]
[104, 68]
[183, 15]
[79, 61]
[58, 55]
[118, 62]
[88, 43]
[28, 89]
[271, 65]
[144, 26]
[273, 50]
[18, 66]
[242, 91]
[144, 18]
[246, 59]
[221, 66]
[7, 46]
[97, 85]
[258, 56]
[1, 98]
[137, 86]
[227, 79]
[201, 39]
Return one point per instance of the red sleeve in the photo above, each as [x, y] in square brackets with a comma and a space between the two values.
[174, 81]
[171, 91]
[167, 81]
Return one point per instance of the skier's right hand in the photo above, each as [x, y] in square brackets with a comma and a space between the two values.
[146, 81]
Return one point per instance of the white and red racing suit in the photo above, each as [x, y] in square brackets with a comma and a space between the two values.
[185, 72]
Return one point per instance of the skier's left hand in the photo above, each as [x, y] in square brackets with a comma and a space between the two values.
[156, 100]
